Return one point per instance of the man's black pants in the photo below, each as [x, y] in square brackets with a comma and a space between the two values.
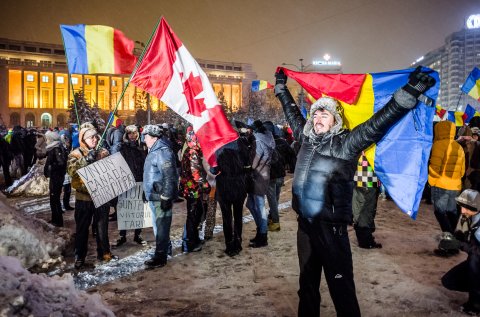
[322, 245]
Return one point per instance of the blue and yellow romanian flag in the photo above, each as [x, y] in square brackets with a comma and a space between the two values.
[457, 117]
[400, 159]
[258, 85]
[472, 84]
[94, 49]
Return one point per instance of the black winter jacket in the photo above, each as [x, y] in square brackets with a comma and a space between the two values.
[56, 164]
[322, 187]
[135, 156]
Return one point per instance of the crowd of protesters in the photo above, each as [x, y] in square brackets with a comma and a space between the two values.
[170, 163]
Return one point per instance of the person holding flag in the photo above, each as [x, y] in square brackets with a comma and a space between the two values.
[322, 187]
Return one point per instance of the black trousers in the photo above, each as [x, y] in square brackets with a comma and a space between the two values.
[85, 211]
[232, 215]
[67, 191]
[196, 207]
[325, 246]
[55, 185]
[465, 277]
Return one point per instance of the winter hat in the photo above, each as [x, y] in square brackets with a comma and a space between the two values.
[165, 126]
[258, 127]
[131, 129]
[52, 136]
[470, 199]
[88, 133]
[118, 123]
[331, 105]
[87, 125]
[152, 130]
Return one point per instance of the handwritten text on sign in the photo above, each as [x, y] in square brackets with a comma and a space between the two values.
[107, 178]
[132, 213]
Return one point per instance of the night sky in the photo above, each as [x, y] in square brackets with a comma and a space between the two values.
[366, 35]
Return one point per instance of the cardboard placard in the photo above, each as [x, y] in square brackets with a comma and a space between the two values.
[132, 212]
[107, 178]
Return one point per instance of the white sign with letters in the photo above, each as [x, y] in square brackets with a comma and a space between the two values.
[473, 21]
[107, 178]
[132, 212]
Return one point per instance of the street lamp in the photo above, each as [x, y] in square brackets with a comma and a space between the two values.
[302, 68]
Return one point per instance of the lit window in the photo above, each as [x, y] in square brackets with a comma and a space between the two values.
[114, 83]
[101, 82]
[44, 79]
[74, 81]
[88, 81]
[60, 80]
[30, 78]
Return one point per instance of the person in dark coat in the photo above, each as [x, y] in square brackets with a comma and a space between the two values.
[6, 159]
[465, 277]
[322, 188]
[231, 171]
[55, 169]
[259, 178]
[135, 156]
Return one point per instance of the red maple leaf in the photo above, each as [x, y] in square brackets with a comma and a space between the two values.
[192, 87]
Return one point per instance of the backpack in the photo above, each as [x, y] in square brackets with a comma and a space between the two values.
[277, 165]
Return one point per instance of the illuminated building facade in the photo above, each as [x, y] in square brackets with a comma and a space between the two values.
[35, 90]
[454, 61]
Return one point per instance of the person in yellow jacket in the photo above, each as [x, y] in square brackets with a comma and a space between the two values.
[445, 172]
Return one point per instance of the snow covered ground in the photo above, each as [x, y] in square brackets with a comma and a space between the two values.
[402, 279]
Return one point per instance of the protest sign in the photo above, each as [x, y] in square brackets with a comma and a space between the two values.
[132, 212]
[107, 178]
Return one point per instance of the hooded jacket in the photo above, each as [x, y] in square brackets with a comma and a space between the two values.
[447, 161]
[261, 156]
[193, 179]
[322, 187]
[160, 178]
[76, 161]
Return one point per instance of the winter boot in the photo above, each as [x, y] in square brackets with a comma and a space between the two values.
[121, 241]
[139, 240]
[262, 241]
[256, 237]
[158, 260]
[365, 238]
[237, 244]
[230, 249]
[274, 226]
[107, 257]
[79, 263]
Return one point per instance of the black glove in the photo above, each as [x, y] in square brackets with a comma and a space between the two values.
[166, 204]
[419, 82]
[91, 156]
[281, 80]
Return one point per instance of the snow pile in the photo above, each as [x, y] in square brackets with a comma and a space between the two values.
[34, 183]
[32, 241]
[27, 294]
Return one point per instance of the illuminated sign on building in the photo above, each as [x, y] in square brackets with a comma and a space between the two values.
[473, 21]
[326, 62]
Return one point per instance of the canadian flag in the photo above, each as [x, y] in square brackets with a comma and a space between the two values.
[170, 73]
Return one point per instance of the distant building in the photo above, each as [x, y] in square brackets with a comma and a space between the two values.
[454, 61]
[35, 90]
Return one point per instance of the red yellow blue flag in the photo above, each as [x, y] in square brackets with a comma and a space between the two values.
[94, 49]
[472, 84]
[362, 95]
[258, 85]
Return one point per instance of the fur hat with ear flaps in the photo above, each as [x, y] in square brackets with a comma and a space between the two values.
[330, 105]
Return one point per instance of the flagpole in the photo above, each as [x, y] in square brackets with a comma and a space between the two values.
[70, 80]
[458, 101]
[110, 119]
